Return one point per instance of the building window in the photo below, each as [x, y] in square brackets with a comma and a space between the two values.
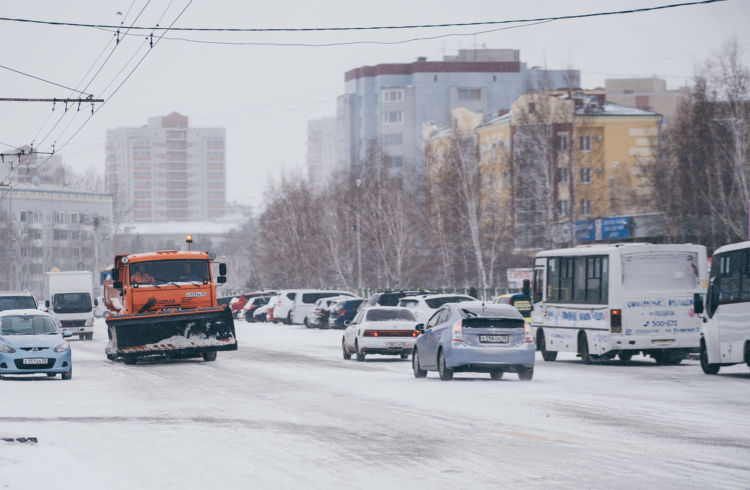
[393, 139]
[563, 176]
[562, 141]
[585, 207]
[395, 161]
[393, 117]
[562, 207]
[469, 94]
[586, 175]
[585, 142]
[393, 95]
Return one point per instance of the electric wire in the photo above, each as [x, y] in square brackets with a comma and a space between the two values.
[369, 28]
[43, 80]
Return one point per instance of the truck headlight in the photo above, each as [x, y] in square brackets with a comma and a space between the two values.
[89, 322]
[64, 347]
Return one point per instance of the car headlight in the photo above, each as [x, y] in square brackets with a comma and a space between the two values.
[6, 349]
[64, 347]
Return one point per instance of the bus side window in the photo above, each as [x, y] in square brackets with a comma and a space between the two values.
[536, 295]
[730, 270]
[745, 292]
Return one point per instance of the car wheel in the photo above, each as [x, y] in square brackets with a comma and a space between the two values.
[129, 360]
[347, 355]
[288, 320]
[525, 374]
[446, 373]
[404, 355]
[69, 374]
[705, 366]
[497, 374]
[360, 354]
[546, 355]
[583, 349]
[209, 356]
[625, 356]
[418, 373]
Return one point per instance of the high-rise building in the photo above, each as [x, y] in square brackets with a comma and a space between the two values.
[321, 148]
[166, 171]
[387, 104]
[647, 94]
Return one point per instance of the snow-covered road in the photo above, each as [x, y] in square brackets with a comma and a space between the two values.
[286, 411]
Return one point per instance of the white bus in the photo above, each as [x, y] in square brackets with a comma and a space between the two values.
[726, 320]
[599, 301]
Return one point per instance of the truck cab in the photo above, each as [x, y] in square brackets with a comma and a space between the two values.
[70, 301]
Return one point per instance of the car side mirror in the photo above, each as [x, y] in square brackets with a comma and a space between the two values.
[96, 302]
[67, 333]
[698, 303]
[46, 304]
[347, 323]
[419, 327]
[526, 289]
[117, 284]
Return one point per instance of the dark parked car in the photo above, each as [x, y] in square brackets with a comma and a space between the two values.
[390, 298]
[252, 306]
[318, 318]
[343, 311]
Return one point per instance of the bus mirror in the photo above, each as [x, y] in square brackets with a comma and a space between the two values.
[115, 274]
[526, 290]
[46, 303]
[698, 303]
[222, 269]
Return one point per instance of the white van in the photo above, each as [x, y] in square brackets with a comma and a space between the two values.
[725, 339]
[304, 302]
[602, 301]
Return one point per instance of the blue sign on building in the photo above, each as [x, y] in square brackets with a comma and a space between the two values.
[602, 229]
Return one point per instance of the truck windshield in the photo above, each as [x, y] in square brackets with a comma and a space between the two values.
[71, 303]
[17, 303]
[660, 271]
[157, 272]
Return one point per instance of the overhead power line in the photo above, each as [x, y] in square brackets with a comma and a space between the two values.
[363, 28]
[43, 80]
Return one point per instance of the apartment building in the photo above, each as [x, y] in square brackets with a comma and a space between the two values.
[46, 227]
[648, 94]
[387, 104]
[321, 148]
[166, 171]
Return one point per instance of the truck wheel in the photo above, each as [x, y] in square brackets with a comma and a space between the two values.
[90, 336]
[82, 336]
[209, 356]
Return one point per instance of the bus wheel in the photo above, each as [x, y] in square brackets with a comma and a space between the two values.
[546, 355]
[583, 349]
[705, 366]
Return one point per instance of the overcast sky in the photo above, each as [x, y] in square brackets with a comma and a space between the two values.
[264, 95]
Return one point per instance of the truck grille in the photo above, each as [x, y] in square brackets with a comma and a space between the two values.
[72, 323]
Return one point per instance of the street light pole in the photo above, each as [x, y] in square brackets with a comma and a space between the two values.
[359, 246]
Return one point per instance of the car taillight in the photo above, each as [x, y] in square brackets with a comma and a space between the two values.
[342, 312]
[527, 337]
[458, 332]
[370, 333]
[615, 321]
[252, 307]
[415, 333]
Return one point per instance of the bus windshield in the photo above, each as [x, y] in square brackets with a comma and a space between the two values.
[660, 271]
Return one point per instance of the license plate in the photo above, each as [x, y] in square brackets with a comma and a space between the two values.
[494, 339]
[395, 344]
[35, 361]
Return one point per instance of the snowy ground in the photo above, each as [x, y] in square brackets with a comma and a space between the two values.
[286, 411]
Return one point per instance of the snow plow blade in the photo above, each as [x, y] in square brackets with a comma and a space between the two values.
[171, 333]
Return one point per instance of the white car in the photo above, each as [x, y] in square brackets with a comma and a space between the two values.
[387, 330]
[282, 306]
[423, 306]
[261, 313]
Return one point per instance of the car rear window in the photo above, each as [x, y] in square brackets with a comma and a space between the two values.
[489, 312]
[17, 303]
[408, 303]
[493, 322]
[378, 315]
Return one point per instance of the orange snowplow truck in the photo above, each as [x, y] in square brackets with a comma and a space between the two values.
[163, 304]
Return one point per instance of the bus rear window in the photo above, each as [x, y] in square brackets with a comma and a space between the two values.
[660, 271]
